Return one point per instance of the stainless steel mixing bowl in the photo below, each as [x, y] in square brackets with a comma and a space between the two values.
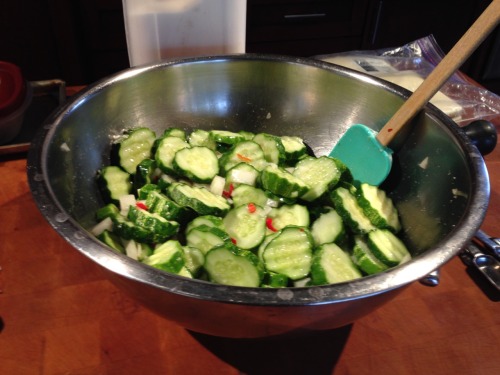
[438, 182]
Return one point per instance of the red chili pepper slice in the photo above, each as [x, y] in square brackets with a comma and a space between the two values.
[243, 158]
[233, 241]
[269, 224]
[142, 206]
[227, 194]
[251, 208]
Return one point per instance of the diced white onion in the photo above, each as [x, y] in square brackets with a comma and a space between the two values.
[217, 185]
[132, 249]
[125, 202]
[106, 224]
[272, 203]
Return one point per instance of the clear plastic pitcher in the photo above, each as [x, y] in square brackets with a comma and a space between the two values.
[162, 29]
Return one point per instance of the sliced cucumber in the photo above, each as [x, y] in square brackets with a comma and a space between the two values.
[113, 182]
[209, 220]
[199, 199]
[294, 147]
[243, 152]
[290, 253]
[159, 228]
[378, 207]
[200, 137]
[145, 173]
[242, 173]
[332, 265]
[198, 163]
[193, 259]
[321, 174]
[365, 259]
[274, 152]
[348, 208]
[244, 194]
[328, 227]
[132, 148]
[387, 247]
[275, 280]
[204, 237]
[165, 152]
[246, 225]
[226, 137]
[230, 265]
[143, 192]
[295, 214]
[110, 210]
[162, 205]
[167, 257]
[280, 182]
[175, 132]
[112, 240]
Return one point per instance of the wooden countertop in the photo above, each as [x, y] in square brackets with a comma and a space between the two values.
[60, 316]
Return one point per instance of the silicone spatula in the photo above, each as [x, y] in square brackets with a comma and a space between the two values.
[367, 153]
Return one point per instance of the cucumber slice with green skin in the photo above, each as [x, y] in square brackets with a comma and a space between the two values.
[388, 248]
[113, 182]
[144, 173]
[242, 173]
[274, 151]
[346, 205]
[162, 205]
[246, 134]
[246, 225]
[230, 265]
[294, 147]
[268, 238]
[175, 132]
[193, 259]
[132, 148]
[244, 194]
[167, 257]
[274, 280]
[137, 250]
[127, 230]
[165, 153]
[296, 214]
[204, 237]
[164, 181]
[110, 210]
[143, 192]
[112, 240]
[332, 265]
[321, 174]
[198, 164]
[200, 137]
[378, 207]
[328, 227]
[226, 137]
[199, 199]
[209, 220]
[290, 253]
[243, 152]
[365, 259]
[159, 228]
[280, 182]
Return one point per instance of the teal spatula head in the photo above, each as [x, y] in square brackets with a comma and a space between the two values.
[368, 160]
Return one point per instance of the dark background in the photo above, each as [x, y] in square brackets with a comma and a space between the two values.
[81, 41]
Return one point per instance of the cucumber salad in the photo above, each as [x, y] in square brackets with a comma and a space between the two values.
[243, 209]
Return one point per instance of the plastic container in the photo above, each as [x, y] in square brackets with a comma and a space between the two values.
[15, 97]
[162, 29]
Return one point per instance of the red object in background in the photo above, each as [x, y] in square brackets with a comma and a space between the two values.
[12, 88]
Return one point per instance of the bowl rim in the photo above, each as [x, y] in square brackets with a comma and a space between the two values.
[367, 286]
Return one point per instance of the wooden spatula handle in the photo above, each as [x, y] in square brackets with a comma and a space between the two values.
[450, 63]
